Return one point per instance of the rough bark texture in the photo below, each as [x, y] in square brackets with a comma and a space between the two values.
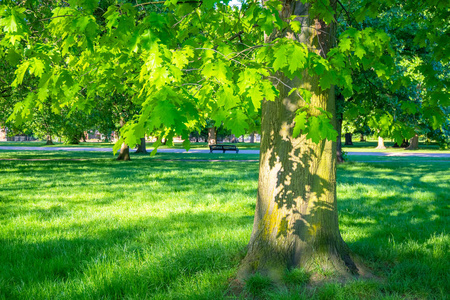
[413, 143]
[339, 155]
[296, 222]
[49, 140]
[348, 139]
[124, 153]
[380, 143]
[212, 136]
[142, 148]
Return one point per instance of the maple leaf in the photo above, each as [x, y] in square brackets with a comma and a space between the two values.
[237, 123]
[298, 58]
[256, 96]
[360, 51]
[280, 55]
[345, 44]
[326, 80]
[300, 123]
[314, 129]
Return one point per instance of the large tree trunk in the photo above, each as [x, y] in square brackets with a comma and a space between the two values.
[413, 143]
[142, 148]
[212, 135]
[380, 143]
[339, 155]
[348, 139]
[361, 137]
[124, 153]
[296, 221]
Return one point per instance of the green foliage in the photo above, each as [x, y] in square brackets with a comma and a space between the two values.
[182, 64]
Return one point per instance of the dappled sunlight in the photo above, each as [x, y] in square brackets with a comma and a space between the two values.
[158, 226]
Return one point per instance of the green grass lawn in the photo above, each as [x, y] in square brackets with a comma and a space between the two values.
[175, 227]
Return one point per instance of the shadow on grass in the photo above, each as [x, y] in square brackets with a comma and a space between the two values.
[401, 214]
[395, 216]
[139, 258]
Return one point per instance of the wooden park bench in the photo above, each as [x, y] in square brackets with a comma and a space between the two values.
[223, 148]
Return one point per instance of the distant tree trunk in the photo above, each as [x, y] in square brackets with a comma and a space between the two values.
[339, 156]
[348, 139]
[413, 143]
[380, 143]
[142, 148]
[49, 140]
[124, 153]
[252, 137]
[212, 135]
[361, 137]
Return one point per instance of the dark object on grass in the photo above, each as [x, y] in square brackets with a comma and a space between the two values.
[223, 148]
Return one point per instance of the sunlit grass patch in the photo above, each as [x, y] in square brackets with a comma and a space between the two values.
[177, 229]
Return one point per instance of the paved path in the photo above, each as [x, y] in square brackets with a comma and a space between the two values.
[414, 154]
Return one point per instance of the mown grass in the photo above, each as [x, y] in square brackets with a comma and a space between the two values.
[162, 228]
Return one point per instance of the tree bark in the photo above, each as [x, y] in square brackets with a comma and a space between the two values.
[49, 140]
[142, 148]
[413, 143]
[296, 221]
[348, 139]
[361, 137]
[380, 143]
[124, 153]
[339, 155]
[212, 135]
[252, 137]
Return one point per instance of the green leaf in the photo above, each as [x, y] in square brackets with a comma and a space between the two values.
[345, 44]
[314, 129]
[298, 58]
[237, 123]
[280, 55]
[117, 145]
[326, 80]
[296, 26]
[360, 51]
[20, 73]
[13, 57]
[37, 67]
[300, 123]
[187, 144]
[256, 96]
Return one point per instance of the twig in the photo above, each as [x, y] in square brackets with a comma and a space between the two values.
[290, 88]
[222, 55]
